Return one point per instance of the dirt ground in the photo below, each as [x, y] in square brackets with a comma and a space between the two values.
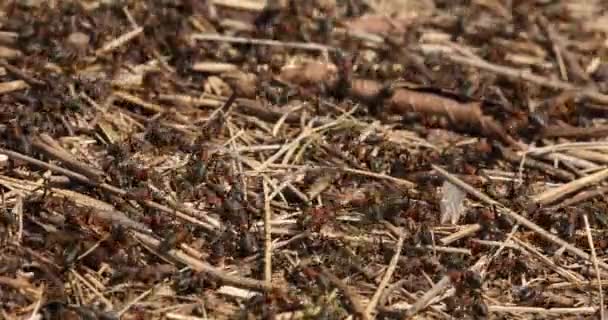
[320, 159]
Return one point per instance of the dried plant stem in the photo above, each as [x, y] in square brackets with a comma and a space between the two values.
[250, 5]
[595, 265]
[262, 42]
[518, 218]
[463, 233]
[118, 42]
[214, 67]
[541, 311]
[387, 275]
[554, 194]
[18, 210]
[267, 237]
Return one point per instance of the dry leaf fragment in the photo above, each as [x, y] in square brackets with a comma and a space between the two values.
[452, 203]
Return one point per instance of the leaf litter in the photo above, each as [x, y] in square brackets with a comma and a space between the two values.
[327, 159]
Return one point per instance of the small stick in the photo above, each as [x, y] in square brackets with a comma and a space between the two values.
[267, 237]
[241, 4]
[191, 101]
[354, 301]
[464, 232]
[387, 276]
[590, 155]
[537, 310]
[10, 86]
[52, 149]
[518, 218]
[554, 194]
[18, 211]
[581, 196]
[116, 43]
[138, 101]
[571, 161]
[544, 259]
[262, 42]
[214, 67]
[597, 268]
